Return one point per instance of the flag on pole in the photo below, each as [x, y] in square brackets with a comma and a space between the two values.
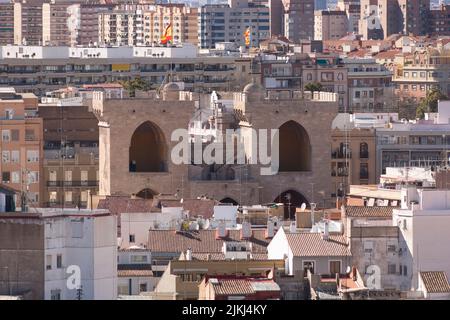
[167, 37]
[247, 35]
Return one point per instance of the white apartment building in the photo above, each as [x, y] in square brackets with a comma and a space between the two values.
[424, 223]
[145, 25]
[80, 244]
[228, 23]
[330, 25]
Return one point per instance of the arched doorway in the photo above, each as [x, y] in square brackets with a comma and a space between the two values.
[295, 147]
[291, 200]
[148, 149]
[229, 200]
[146, 193]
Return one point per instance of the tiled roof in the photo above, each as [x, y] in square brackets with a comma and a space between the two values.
[313, 245]
[221, 256]
[363, 212]
[134, 273]
[231, 286]
[202, 241]
[134, 270]
[200, 207]
[241, 286]
[120, 204]
[435, 281]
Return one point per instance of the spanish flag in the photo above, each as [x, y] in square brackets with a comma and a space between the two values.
[167, 35]
[247, 35]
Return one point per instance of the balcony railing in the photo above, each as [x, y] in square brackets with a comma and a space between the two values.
[337, 154]
[90, 183]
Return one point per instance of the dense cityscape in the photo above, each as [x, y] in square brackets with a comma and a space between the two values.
[224, 150]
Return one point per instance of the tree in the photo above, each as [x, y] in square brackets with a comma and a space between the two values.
[135, 84]
[313, 86]
[430, 102]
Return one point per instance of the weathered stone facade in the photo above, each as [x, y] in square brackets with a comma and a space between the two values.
[118, 120]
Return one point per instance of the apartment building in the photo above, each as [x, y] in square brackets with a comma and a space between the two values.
[55, 26]
[87, 21]
[440, 21]
[330, 25]
[79, 243]
[298, 19]
[6, 23]
[145, 25]
[42, 69]
[370, 87]
[329, 70]
[424, 69]
[352, 9]
[381, 18]
[21, 146]
[28, 22]
[228, 23]
[70, 166]
[412, 145]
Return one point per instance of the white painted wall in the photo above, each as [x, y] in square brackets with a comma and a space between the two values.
[94, 250]
[139, 224]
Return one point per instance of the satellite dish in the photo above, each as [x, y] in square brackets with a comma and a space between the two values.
[348, 269]
[206, 225]
[303, 207]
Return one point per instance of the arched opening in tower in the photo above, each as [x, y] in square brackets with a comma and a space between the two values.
[229, 200]
[148, 149]
[291, 200]
[146, 193]
[295, 148]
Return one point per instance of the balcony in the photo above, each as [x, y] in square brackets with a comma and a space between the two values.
[340, 154]
[89, 183]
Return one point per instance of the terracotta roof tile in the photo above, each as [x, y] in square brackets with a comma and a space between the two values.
[435, 281]
[134, 270]
[369, 212]
[313, 245]
[200, 207]
[231, 286]
[121, 204]
[201, 241]
[221, 256]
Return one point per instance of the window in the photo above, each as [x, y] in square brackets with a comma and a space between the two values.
[405, 270]
[335, 267]
[357, 94]
[132, 238]
[6, 135]
[9, 114]
[55, 294]
[33, 177]
[6, 176]
[5, 156]
[363, 171]
[340, 76]
[59, 261]
[84, 176]
[138, 258]
[363, 150]
[15, 177]
[68, 196]
[142, 287]
[48, 262]
[29, 135]
[391, 248]
[52, 175]
[32, 155]
[52, 196]
[15, 156]
[309, 76]
[84, 196]
[368, 247]
[392, 268]
[308, 265]
[68, 176]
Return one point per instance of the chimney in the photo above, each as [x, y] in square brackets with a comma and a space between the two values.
[270, 231]
[326, 231]
[292, 227]
[189, 254]
[221, 231]
[313, 207]
[246, 231]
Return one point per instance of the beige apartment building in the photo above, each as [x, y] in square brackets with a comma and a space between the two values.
[353, 154]
[330, 25]
[6, 23]
[145, 25]
[21, 146]
[381, 18]
[28, 24]
[55, 26]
